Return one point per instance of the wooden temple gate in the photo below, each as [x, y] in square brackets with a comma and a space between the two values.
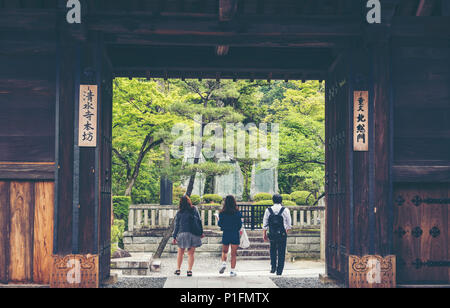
[387, 119]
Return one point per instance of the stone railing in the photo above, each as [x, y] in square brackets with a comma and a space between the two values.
[148, 216]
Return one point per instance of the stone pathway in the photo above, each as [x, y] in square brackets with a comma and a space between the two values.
[208, 282]
[250, 274]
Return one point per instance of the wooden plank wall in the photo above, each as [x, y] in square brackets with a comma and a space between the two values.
[27, 97]
[27, 154]
[26, 224]
[422, 113]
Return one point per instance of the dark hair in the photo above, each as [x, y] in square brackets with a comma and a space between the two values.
[186, 204]
[229, 205]
[277, 199]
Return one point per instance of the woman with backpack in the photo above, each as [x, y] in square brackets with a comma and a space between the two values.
[187, 234]
[277, 220]
[230, 222]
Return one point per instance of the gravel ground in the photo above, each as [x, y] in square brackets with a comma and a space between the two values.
[308, 283]
[125, 282]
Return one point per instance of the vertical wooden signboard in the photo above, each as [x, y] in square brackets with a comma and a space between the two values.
[87, 125]
[361, 121]
[372, 272]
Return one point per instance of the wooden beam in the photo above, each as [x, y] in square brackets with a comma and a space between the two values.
[27, 171]
[415, 173]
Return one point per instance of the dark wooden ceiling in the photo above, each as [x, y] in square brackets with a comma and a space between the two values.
[244, 7]
[255, 39]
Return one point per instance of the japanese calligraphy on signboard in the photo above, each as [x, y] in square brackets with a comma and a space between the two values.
[361, 121]
[87, 127]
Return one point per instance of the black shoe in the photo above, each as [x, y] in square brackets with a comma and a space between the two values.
[279, 274]
[272, 271]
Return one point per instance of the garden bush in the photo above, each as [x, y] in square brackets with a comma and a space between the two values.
[270, 202]
[117, 230]
[121, 206]
[302, 198]
[264, 202]
[289, 203]
[262, 196]
[212, 204]
[195, 199]
[212, 198]
[177, 193]
[286, 197]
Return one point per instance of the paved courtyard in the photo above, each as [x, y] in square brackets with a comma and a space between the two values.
[250, 274]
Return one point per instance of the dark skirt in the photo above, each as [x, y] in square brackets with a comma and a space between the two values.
[188, 240]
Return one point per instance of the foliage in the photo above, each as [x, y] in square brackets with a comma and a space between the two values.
[144, 112]
[302, 198]
[212, 198]
[212, 204]
[117, 230]
[121, 205]
[177, 193]
[264, 202]
[270, 202]
[195, 199]
[262, 196]
[289, 203]
[286, 197]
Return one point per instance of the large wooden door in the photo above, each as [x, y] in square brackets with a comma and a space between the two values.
[337, 170]
[105, 149]
[421, 229]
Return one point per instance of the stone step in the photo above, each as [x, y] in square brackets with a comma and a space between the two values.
[254, 233]
[259, 246]
[256, 239]
[253, 252]
[254, 258]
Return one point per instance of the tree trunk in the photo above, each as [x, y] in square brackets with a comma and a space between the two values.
[166, 236]
[130, 187]
[168, 233]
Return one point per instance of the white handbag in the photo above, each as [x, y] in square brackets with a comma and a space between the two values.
[245, 243]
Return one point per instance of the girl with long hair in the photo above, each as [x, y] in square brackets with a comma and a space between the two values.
[230, 221]
[183, 236]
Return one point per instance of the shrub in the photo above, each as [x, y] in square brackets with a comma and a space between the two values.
[264, 202]
[302, 198]
[177, 193]
[286, 197]
[270, 202]
[121, 205]
[212, 204]
[262, 196]
[212, 198]
[117, 230]
[195, 199]
[289, 203]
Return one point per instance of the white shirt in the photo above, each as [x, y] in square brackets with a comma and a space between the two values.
[276, 209]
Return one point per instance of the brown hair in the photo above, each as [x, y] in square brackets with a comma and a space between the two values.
[186, 204]
[230, 205]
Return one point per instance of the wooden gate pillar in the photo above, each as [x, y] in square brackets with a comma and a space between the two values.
[359, 154]
[82, 198]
